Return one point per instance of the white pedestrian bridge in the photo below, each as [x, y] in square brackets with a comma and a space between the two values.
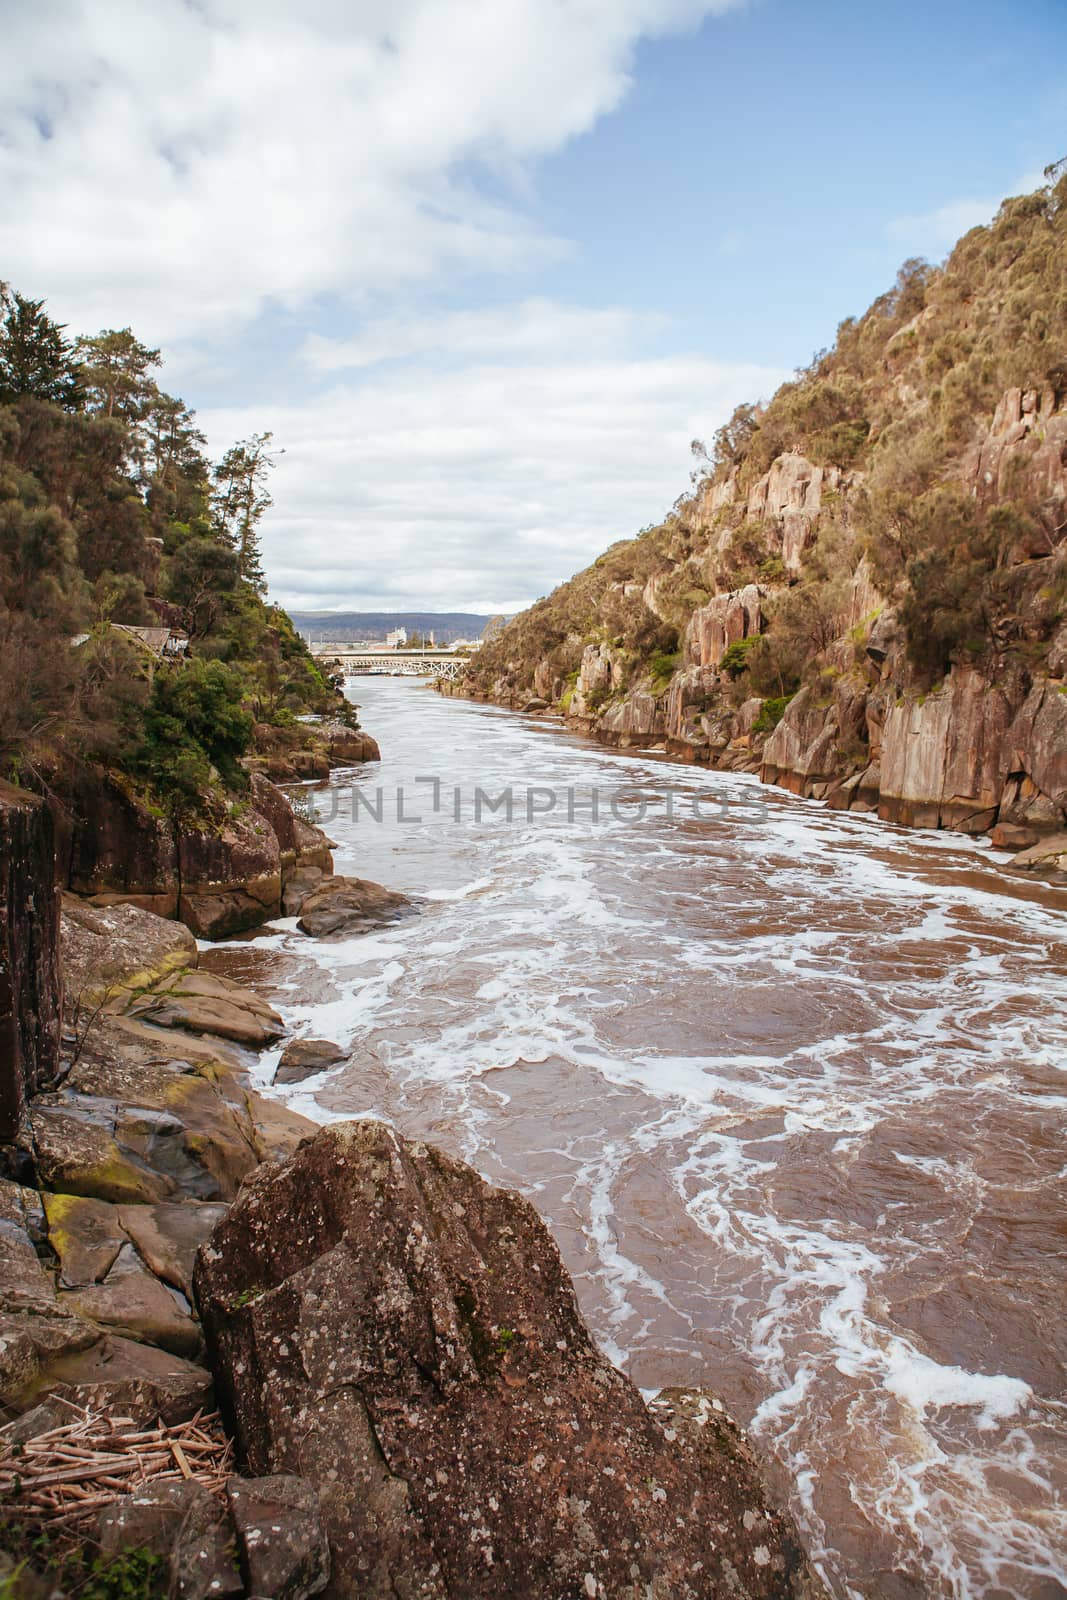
[361, 659]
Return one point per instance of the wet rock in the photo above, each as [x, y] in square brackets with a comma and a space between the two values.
[32, 1341]
[271, 803]
[86, 1235]
[301, 883]
[302, 1058]
[131, 1301]
[24, 1282]
[280, 1538]
[385, 1323]
[110, 951]
[58, 1344]
[1047, 859]
[203, 1002]
[276, 1130]
[116, 849]
[31, 988]
[217, 880]
[135, 1123]
[313, 848]
[168, 1236]
[535, 703]
[108, 1373]
[343, 906]
[231, 879]
[78, 1152]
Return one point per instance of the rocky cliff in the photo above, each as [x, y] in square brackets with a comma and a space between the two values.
[864, 598]
[218, 879]
[31, 990]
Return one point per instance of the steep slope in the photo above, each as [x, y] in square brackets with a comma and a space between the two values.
[864, 595]
[146, 685]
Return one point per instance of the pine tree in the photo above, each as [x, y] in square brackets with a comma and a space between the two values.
[35, 358]
[114, 371]
[240, 498]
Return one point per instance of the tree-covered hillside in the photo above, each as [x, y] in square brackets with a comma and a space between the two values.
[111, 514]
[912, 467]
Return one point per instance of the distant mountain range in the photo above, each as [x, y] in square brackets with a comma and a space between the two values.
[348, 625]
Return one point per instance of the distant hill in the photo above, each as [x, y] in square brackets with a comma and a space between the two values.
[346, 625]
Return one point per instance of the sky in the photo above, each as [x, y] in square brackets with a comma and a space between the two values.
[485, 267]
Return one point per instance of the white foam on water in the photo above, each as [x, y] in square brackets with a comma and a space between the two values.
[751, 1006]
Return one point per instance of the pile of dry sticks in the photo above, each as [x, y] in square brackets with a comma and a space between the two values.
[65, 1476]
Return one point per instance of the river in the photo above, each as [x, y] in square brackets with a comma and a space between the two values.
[787, 1085]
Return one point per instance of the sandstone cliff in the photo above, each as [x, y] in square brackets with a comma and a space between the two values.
[864, 598]
[217, 879]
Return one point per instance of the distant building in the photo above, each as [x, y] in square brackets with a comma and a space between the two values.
[397, 638]
[165, 644]
[154, 644]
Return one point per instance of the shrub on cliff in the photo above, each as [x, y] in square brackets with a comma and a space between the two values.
[196, 730]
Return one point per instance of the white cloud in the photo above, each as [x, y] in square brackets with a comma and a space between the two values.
[938, 230]
[187, 166]
[184, 166]
[480, 488]
[534, 327]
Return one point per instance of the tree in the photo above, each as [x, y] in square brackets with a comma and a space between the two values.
[201, 580]
[114, 368]
[171, 436]
[240, 499]
[35, 358]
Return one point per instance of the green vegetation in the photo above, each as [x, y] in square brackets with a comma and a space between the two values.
[735, 657]
[967, 549]
[663, 666]
[50, 1564]
[112, 517]
[771, 713]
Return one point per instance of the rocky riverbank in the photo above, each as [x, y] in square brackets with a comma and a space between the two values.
[415, 1403]
[936, 761]
[219, 877]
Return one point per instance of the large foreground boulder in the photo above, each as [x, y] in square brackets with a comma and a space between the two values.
[385, 1324]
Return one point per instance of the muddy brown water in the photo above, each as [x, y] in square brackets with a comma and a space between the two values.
[788, 1086]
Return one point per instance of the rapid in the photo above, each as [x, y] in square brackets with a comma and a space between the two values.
[787, 1085]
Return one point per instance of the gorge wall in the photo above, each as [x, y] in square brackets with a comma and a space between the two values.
[864, 598]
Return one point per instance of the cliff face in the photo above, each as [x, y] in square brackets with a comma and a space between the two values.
[218, 881]
[864, 599]
[30, 984]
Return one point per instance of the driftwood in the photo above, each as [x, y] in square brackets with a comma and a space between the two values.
[68, 1474]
